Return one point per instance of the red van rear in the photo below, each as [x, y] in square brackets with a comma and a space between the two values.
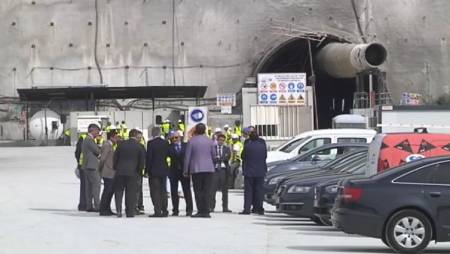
[389, 150]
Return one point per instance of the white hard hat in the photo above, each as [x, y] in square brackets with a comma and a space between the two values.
[217, 130]
[226, 126]
[113, 127]
[234, 136]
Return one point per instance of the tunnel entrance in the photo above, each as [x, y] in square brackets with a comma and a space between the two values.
[334, 96]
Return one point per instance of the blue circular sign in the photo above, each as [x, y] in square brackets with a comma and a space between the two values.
[273, 97]
[300, 85]
[197, 115]
[291, 86]
[264, 97]
[414, 157]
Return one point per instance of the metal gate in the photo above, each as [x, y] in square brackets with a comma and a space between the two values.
[281, 122]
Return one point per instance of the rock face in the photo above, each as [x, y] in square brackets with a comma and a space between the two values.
[216, 43]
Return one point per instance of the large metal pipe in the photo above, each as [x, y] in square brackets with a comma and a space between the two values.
[343, 60]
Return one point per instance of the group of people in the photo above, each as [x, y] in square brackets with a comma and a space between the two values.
[206, 160]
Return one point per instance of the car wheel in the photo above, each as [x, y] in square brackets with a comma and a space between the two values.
[326, 220]
[408, 231]
[317, 221]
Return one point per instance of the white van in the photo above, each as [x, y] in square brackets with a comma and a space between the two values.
[312, 139]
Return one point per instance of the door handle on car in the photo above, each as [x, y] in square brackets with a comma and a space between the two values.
[435, 194]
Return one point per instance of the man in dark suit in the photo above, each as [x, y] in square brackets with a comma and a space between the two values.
[254, 169]
[220, 177]
[129, 160]
[158, 170]
[176, 153]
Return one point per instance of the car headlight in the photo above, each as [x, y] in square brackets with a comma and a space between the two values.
[275, 180]
[299, 189]
[332, 189]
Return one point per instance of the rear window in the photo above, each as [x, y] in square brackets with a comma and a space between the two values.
[352, 140]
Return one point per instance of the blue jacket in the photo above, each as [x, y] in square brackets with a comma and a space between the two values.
[254, 158]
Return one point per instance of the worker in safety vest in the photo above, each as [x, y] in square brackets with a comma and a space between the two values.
[80, 172]
[181, 125]
[227, 132]
[165, 128]
[108, 127]
[237, 128]
[236, 151]
[123, 131]
[67, 134]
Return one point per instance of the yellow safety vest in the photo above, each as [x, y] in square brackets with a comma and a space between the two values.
[67, 132]
[83, 137]
[228, 138]
[238, 130]
[165, 128]
[181, 127]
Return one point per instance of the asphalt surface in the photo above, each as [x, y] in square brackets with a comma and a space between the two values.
[38, 198]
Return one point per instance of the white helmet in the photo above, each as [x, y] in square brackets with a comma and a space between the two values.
[217, 130]
[226, 126]
[234, 136]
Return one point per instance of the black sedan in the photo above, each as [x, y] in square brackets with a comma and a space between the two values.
[311, 160]
[406, 207]
[296, 195]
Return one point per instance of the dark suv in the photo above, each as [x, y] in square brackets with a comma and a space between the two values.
[406, 207]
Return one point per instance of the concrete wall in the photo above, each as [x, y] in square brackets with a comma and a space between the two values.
[217, 43]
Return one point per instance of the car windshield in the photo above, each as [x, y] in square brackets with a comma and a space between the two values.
[291, 145]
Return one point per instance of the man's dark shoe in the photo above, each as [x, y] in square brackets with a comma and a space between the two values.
[156, 215]
[130, 216]
[244, 213]
[188, 214]
[165, 214]
[119, 215]
[92, 210]
[206, 215]
[197, 215]
[227, 210]
[175, 214]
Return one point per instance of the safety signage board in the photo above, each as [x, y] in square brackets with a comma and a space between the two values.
[197, 115]
[226, 100]
[281, 88]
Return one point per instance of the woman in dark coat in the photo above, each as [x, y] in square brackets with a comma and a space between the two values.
[254, 168]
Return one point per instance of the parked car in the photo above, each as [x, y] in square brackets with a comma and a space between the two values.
[325, 194]
[389, 150]
[295, 195]
[406, 207]
[312, 139]
[311, 160]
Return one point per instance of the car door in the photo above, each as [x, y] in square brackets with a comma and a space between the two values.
[439, 196]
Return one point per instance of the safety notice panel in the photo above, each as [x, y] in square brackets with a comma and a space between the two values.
[281, 88]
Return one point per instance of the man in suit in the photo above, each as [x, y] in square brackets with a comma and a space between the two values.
[220, 177]
[107, 172]
[91, 152]
[176, 153]
[129, 160]
[254, 169]
[199, 163]
[158, 170]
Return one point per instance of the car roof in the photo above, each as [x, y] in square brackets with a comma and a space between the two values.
[407, 166]
[336, 132]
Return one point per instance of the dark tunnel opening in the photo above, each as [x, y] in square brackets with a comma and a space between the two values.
[334, 96]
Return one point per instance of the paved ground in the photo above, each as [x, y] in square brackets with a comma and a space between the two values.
[38, 214]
